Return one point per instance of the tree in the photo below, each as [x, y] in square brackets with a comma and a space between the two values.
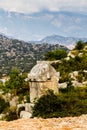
[56, 55]
[16, 83]
[79, 45]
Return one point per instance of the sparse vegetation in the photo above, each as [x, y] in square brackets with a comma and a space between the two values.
[78, 63]
[22, 55]
[71, 101]
[15, 86]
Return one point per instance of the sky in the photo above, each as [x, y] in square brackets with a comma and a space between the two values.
[35, 19]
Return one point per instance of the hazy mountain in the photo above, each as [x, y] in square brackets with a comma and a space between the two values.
[56, 39]
[37, 25]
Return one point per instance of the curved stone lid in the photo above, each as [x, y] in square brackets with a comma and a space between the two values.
[42, 71]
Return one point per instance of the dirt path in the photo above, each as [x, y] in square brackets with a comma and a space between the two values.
[68, 123]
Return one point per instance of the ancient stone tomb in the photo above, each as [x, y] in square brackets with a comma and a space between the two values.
[41, 78]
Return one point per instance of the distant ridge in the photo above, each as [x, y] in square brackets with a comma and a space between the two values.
[68, 42]
[57, 39]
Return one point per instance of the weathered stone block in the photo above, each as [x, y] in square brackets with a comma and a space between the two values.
[42, 77]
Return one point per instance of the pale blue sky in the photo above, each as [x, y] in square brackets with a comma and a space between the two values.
[35, 19]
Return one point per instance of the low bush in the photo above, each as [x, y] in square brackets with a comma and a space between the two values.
[3, 105]
[11, 114]
[56, 55]
[70, 102]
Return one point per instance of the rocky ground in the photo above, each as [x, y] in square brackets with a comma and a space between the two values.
[68, 123]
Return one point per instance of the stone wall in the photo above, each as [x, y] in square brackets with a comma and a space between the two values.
[37, 89]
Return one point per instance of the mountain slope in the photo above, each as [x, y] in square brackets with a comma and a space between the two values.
[20, 54]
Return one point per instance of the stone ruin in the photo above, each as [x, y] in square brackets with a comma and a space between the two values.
[41, 78]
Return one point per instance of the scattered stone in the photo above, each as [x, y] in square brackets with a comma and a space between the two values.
[63, 85]
[14, 101]
[25, 115]
[2, 116]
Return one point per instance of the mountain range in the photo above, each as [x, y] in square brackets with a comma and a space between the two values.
[61, 40]
[21, 54]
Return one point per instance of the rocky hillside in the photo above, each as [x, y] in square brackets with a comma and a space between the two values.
[20, 54]
[68, 123]
[73, 69]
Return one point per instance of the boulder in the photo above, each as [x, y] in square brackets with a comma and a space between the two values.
[14, 101]
[25, 115]
[63, 85]
[28, 107]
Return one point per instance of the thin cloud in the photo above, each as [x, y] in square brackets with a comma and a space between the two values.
[57, 23]
[31, 6]
[4, 30]
[67, 20]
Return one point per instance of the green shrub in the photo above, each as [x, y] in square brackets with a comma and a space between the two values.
[46, 105]
[11, 114]
[70, 102]
[16, 84]
[3, 105]
[56, 55]
[79, 45]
